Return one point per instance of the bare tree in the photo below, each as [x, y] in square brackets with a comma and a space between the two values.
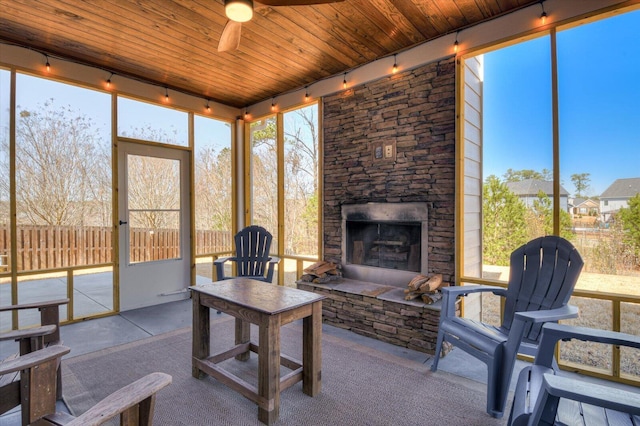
[264, 169]
[60, 166]
[213, 189]
[301, 181]
[303, 143]
[153, 188]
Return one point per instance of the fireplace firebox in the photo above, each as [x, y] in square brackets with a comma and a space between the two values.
[384, 243]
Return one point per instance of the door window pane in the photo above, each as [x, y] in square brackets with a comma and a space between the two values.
[153, 201]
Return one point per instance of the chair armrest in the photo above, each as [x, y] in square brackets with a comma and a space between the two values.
[450, 295]
[563, 331]
[273, 261]
[219, 265]
[221, 260]
[28, 333]
[588, 393]
[552, 333]
[520, 320]
[35, 305]
[547, 315]
[463, 290]
[32, 359]
[123, 399]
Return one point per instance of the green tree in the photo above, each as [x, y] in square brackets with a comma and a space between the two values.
[629, 218]
[581, 182]
[504, 224]
[540, 219]
[520, 175]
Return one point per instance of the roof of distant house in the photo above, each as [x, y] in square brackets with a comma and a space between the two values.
[622, 188]
[533, 187]
[577, 201]
[585, 202]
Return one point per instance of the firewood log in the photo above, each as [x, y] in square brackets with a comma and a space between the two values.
[431, 298]
[328, 266]
[416, 282]
[411, 296]
[432, 283]
[311, 268]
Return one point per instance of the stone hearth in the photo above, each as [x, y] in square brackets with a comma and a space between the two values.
[380, 312]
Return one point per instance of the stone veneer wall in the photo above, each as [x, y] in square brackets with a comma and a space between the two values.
[416, 110]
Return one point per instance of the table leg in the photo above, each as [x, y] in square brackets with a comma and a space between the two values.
[269, 369]
[243, 335]
[200, 330]
[312, 351]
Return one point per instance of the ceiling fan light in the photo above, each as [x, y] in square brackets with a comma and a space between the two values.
[239, 10]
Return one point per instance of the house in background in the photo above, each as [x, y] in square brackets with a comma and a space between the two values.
[583, 207]
[529, 189]
[617, 196]
[585, 212]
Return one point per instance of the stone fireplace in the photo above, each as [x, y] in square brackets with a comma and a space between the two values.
[384, 243]
[414, 112]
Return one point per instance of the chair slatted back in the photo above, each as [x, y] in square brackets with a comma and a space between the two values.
[252, 250]
[543, 275]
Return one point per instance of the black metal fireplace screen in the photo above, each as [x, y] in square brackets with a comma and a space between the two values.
[384, 245]
[392, 236]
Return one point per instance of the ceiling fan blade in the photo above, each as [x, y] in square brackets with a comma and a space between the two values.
[296, 2]
[230, 38]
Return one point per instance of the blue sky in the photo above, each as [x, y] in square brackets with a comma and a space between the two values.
[598, 85]
[33, 92]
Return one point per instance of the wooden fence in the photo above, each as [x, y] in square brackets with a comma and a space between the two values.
[48, 247]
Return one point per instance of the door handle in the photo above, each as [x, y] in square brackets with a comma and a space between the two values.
[123, 223]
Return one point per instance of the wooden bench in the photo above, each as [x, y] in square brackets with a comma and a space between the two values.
[134, 404]
[35, 338]
[543, 397]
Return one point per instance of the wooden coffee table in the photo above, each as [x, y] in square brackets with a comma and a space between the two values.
[269, 307]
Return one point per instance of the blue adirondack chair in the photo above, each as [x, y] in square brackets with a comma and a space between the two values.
[543, 274]
[252, 255]
[543, 397]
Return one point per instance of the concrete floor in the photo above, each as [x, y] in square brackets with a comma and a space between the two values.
[140, 323]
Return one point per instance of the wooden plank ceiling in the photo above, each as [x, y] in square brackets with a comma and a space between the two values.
[173, 43]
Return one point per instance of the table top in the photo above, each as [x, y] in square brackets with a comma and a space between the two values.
[257, 295]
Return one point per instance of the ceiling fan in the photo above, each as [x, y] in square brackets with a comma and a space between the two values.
[239, 11]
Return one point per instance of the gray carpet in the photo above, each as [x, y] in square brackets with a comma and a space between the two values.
[360, 386]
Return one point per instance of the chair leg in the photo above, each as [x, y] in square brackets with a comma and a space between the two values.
[434, 366]
[59, 384]
[496, 397]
